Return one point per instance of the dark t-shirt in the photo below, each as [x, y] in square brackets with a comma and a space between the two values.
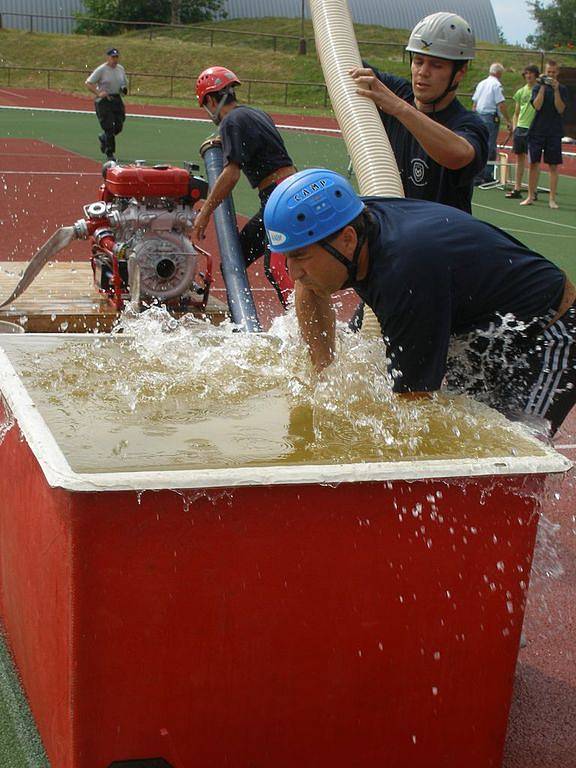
[422, 177]
[435, 272]
[251, 140]
[547, 120]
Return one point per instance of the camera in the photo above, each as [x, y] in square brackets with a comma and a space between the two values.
[545, 80]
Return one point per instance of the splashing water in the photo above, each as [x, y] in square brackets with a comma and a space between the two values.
[169, 394]
[547, 564]
[6, 419]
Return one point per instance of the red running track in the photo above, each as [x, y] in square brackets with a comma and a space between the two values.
[43, 187]
[45, 99]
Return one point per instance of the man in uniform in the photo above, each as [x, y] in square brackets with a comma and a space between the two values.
[436, 278]
[438, 144]
[251, 144]
[108, 83]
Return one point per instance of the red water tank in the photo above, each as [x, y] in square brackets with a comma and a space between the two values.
[143, 181]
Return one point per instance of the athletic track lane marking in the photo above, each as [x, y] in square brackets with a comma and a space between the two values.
[542, 234]
[522, 216]
[50, 173]
[12, 95]
[312, 129]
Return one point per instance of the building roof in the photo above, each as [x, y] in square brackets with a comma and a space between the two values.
[388, 13]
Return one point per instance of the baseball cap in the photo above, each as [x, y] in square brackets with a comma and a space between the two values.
[113, 52]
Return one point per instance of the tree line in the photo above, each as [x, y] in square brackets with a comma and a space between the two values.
[555, 19]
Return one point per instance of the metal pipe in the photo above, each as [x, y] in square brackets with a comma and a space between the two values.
[240, 299]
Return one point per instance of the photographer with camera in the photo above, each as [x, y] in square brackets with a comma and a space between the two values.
[549, 99]
[109, 83]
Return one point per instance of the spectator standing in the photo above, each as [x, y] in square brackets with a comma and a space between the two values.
[549, 99]
[488, 102]
[109, 83]
[524, 114]
[439, 145]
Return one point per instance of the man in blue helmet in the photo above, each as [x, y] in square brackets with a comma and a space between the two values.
[436, 278]
[439, 145]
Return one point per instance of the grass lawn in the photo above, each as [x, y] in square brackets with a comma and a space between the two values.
[185, 54]
[552, 233]
[20, 746]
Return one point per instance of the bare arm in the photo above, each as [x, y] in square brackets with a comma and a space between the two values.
[539, 99]
[443, 145]
[516, 115]
[94, 88]
[317, 321]
[559, 103]
[504, 112]
[224, 185]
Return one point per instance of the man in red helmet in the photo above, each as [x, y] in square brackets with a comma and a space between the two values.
[252, 145]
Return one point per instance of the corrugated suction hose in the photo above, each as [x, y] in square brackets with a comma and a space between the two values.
[372, 157]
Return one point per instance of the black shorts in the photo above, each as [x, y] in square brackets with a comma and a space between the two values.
[520, 141]
[521, 373]
[551, 146]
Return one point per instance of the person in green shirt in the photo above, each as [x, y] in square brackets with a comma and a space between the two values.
[522, 120]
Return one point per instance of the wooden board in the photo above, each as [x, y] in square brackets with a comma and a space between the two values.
[63, 299]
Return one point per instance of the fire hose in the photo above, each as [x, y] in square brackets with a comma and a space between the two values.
[57, 242]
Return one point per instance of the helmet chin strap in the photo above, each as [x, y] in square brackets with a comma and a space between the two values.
[456, 67]
[215, 116]
[351, 265]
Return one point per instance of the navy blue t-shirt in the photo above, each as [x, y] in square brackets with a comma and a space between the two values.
[422, 177]
[435, 272]
[547, 120]
[251, 140]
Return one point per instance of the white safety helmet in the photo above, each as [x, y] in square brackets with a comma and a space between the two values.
[443, 35]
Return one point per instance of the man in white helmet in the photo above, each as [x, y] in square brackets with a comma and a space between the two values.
[439, 145]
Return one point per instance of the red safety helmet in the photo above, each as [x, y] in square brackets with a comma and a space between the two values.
[212, 80]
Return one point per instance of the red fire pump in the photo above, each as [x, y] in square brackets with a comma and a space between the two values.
[140, 233]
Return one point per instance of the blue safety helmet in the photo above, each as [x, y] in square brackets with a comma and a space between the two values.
[308, 207]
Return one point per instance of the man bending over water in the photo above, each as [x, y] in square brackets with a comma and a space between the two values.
[436, 278]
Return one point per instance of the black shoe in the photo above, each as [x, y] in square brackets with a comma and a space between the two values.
[515, 194]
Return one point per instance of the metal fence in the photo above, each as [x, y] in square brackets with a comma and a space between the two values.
[158, 86]
[154, 85]
[209, 35]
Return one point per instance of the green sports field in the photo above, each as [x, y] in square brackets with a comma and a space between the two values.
[552, 233]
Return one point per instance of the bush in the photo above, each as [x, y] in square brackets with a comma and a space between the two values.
[163, 11]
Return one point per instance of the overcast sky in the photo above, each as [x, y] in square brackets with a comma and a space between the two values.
[514, 18]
